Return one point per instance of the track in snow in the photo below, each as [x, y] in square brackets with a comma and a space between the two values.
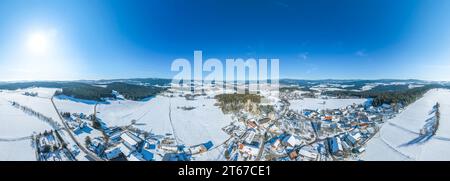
[15, 139]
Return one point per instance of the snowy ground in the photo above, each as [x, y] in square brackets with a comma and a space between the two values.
[316, 103]
[40, 103]
[191, 127]
[399, 138]
[14, 123]
[72, 105]
[17, 151]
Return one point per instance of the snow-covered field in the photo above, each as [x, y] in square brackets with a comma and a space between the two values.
[42, 92]
[317, 103]
[40, 103]
[72, 105]
[191, 127]
[399, 138]
[17, 151]
[14, 123]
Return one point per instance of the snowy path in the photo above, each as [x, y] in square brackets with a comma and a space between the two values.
[174, 133]
[396, 150]
[15, 139]
[441, 138]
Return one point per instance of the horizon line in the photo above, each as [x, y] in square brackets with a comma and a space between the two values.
[321, 79]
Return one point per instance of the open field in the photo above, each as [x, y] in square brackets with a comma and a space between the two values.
[399, 138]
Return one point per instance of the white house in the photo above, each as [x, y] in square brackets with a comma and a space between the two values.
[113, 152]
[291, 141]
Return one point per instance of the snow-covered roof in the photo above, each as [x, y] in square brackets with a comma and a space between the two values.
[128, 139]
[112, 152]
[291, 140]
[357, 136]
[307, 153]
[135, 157]
[125, 150]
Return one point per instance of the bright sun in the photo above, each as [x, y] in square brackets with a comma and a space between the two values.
[38, 43]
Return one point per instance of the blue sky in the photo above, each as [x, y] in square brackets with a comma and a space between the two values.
[346, 39]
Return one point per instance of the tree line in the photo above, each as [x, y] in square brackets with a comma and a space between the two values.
[88, 91]
[403, 96]
[97, 93]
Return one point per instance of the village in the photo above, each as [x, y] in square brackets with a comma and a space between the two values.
[307, 135]
[278, 134]
[272, 130]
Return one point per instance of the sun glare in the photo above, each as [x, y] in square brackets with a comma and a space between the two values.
[38, 43]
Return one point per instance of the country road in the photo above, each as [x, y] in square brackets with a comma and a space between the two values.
[81, 146]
